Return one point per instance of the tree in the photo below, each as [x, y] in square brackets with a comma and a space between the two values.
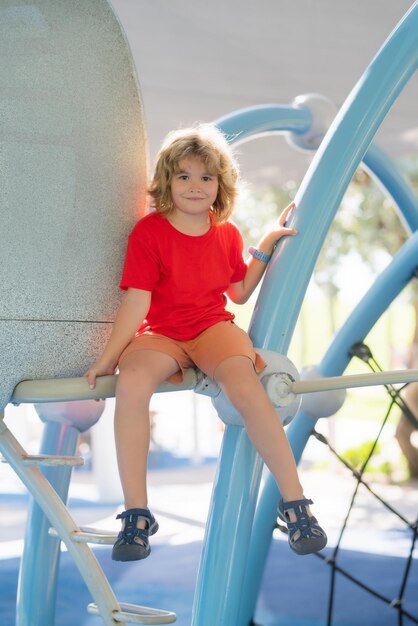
[366, 227]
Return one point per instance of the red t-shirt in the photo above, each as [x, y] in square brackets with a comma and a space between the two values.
[188, 276]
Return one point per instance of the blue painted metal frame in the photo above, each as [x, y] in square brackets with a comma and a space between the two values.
[232, 509]
[386, 288]
[36, 597]
[385, 172]
[222, 594]
[259, 120]
[223, 598]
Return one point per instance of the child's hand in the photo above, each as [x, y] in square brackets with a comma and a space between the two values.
[283, 230]
[98, 369]
[269, 241]
[273, 237]
[285, 214]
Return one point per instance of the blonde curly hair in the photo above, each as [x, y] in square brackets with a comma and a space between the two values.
[209, 144]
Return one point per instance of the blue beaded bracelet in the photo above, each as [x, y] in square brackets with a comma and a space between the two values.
[257, 254]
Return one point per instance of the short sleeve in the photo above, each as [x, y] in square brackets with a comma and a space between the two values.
[142, 267]
[239, 265]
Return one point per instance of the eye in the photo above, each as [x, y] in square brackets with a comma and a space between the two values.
[182, 177]
[207, 178]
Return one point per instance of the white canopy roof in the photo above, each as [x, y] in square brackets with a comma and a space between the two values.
[201, 60]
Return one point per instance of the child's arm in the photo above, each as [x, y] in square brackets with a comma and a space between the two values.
[241, 291]
[131, 313]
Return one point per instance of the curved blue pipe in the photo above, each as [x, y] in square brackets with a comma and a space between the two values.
[324, 185]
[382, 293]
[387, 175]
[281, 296]
[264, 119]
[364, 317]
[36, 595]
[236, 487]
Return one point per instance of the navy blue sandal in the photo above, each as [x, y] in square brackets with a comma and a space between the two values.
[305, 534]
[132, 543]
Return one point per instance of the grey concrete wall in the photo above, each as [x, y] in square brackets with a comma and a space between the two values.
[73, 164]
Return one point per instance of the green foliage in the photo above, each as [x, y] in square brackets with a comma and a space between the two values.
[366, 224]
[356, 456]
[259, 210]
[378, 462]
[366, 228]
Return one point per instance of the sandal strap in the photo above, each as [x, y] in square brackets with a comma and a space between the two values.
[138, 513]
[291, 504]
[304, 523]
[143, 535]
[130, 531]
[305, 526]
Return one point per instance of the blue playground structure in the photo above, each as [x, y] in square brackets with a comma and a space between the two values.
[77, 180]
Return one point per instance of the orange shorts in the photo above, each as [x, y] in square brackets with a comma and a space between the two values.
[206, 351]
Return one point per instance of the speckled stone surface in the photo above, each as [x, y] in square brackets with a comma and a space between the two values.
[73, 160]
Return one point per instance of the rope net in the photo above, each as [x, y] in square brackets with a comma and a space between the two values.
[333, 560]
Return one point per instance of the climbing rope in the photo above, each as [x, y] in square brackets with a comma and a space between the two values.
[397, 603]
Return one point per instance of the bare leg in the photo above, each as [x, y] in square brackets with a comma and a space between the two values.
[140, 374]
[237, 378]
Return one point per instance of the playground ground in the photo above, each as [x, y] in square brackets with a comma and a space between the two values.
[295, 590]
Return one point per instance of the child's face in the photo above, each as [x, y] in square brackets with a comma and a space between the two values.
[193, 188]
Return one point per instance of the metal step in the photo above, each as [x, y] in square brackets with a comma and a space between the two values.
[85, 534]
[134, 614]
[48, 459]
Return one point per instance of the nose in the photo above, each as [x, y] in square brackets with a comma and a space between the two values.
[194, 186]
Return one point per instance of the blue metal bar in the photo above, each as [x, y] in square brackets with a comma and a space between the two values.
[231, 513]
[363, 111]
[281, 296]
[386, 174]
[242, 464]
[254, 121]
[36, 596]
[229, 525]
[382, 293]
[324, 185]
[384, 290]
[61, 520]
[384, 171]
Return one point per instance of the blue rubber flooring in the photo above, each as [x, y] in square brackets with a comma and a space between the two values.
[295, 590]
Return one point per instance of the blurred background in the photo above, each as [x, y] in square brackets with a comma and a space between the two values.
[198, 61]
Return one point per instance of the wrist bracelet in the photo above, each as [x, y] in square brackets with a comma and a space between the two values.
[257, 254]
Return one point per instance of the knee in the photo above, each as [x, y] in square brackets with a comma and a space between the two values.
[245, 392]
[134, 382]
